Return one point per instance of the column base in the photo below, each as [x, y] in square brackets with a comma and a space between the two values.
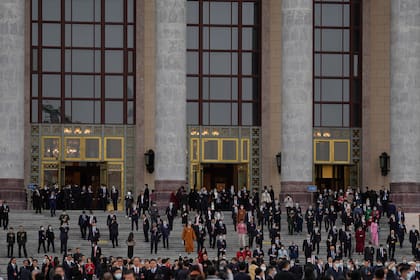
[406, 195]
[13, 192]
[164, 189]
[298, 191]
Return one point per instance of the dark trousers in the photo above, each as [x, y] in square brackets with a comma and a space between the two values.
[10, 250]
[391, 251]
[114, 241]
[114, 203]
[83, 230]
[20, 246]
[165, 242]
[50, 243]
[134, 221]
[212, 240]
[63, 246]
[5, 222]
[154, 245]
[130, 252]
[146, 235]
[41, 242]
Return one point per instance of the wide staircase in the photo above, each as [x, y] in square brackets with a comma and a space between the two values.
[32, 222]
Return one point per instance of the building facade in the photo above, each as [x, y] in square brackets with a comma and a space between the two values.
[217, 93]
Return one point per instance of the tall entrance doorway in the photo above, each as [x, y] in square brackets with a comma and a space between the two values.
[333, 177]
[83, 174]
[220, 176]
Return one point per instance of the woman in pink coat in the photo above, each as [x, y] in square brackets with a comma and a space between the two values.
[374, 232]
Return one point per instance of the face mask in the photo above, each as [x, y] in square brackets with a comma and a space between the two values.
[263, 268]
[394, 269]
[117, 276]
[410, 275]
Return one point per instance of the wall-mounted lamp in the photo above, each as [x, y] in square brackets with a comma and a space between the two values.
[384, 163]
[149, 160]
[278, 161]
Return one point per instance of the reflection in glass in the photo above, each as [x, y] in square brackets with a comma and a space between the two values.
[81, 111]
[72, 148]
[114, 148]
[51, 85]
[92, 148]
[51, 148]
[130, 112]
[130, 87]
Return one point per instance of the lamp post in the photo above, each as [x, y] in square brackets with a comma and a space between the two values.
[278, 161]
[384, 163]
[149, 160]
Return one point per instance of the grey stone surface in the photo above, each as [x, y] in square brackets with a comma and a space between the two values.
[405, 91]
[170, 131]
[296, 91]
[11, 88]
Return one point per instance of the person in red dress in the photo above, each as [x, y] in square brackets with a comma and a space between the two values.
[360, 240]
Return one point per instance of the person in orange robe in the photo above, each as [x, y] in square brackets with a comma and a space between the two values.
[360, 240]
[188, 235]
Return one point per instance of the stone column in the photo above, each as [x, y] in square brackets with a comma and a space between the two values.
[296, 169]
[170, 115]
[405, 104]
[12, 47]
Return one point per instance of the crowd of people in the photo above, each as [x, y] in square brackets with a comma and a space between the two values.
[344, 218]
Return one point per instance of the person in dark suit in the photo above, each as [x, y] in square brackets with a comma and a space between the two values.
[114, 197]
[42, 236]
[24, 271]
[12, 270]
[96, 253]
[21, 241]
[154, 238]
[64, 237]
[307, 247]
[134, 214]
[83, 224]
[113, 230]
[369, 252]
[11, 240]
[242, 275]
[391, 241]
[143, 202]
[146, 228]
[50, 238]
[381, 254]
[284, 273]
[170, 214]
[413, 237]
[94, 233]
[4, 214]
[103, 196]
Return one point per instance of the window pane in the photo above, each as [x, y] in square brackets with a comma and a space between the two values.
[130, 35]
[51, 111]
[82, 35]
[51, 34]
[51, 86]
[130, 112]
[220, 38]
[249, 13]
[234, 89]
[220, 113]
[322, 151]
[34, 108]
[248, 113]
[234, 114]
[332, 90]
[220, 13]
[192, 112]
[130, 11]
[82, 86]
[332, 65]
[97, 112]
[34, 85]
[114, 61]
[317, 39]
[220, 63]
[98, 10]
[114, 112]
[317, 14]
[114, 10]
[130, 61]
[34, 9]
[92, 148]
[192, 88]
[220, 88]
[341, 151]
[72, 148]
[114, 87]
[332, 115]
[249, 89]
[332, 40]
[114, 36]
[206, 88]
[97, 36]
[346, 89]
[82, 10]
[35, 34]
[211, 149]
[346, 115]
[229, 150]
[346, 16]
[81, 111]
[130, 87]
[317, 64]
[97, 86]
[249, 64]
[51, 60]
[192, 12]
[192, 37]
[332, 15]
[51, 10]
[317, 90]
[192, 62]
[82, 61]
[206, 111]
[249, 38]
[346, 40]
[317, 115]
